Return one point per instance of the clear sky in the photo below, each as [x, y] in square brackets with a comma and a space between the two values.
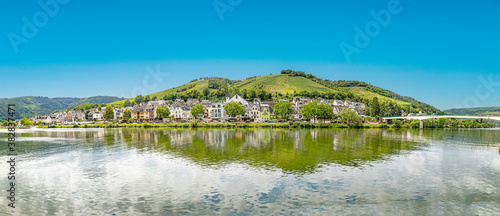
[436, 52]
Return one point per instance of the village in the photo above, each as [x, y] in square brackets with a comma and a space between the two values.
[180, 111]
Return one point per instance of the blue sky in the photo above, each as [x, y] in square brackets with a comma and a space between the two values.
[436, 52]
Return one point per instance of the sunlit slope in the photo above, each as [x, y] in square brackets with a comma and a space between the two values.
[282, 83]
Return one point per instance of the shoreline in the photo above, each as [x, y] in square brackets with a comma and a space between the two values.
[241, 125]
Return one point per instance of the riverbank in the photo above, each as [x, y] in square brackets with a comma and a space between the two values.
[245, 125]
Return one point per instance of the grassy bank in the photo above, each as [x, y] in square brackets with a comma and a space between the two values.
[221, 125]
[257, 125]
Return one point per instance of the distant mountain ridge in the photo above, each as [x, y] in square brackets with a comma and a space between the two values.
[30, 106]
[482, 111]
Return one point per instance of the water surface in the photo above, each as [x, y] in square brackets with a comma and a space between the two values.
[133, 171]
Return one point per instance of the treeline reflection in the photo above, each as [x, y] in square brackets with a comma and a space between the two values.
[290, 150]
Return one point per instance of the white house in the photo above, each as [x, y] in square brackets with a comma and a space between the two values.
[216, 111]
[338, 103]
[238, 99]
[97, 115]
[182, 112]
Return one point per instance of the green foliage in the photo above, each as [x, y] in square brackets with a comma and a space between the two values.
[127, 114]
[162, 112]
[349, 116]
[397, 123]
[197, 110]
[475, 111]
[206, 92]
[139, 99]
[325, 111]
[26, 122]
[309, 110]
[193, 124]
[30, 106]
[108, 113]
[283, 110]
[314, 110]
[375, 107]
[127, 103]
[219, 83]
[234, 109]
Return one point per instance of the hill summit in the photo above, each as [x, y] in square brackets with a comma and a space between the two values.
[287, 84]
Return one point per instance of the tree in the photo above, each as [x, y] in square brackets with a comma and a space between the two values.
[283, 110]
[154, 97]
[26, 122]
[127, 103]
[68, 109]
[375, 107]
[5, 123]
[234, 109]
[325, 111]
[139, 99]
[350, 116]
[244, 93]
[147, 98]
[310, 110]
[39, 122]
[197, 110]
[251, 94]
[108, 113]
[127, 114]
[162, 112]
[206, 92]
[262, 94]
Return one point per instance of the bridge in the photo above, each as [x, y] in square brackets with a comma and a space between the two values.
[423, 117]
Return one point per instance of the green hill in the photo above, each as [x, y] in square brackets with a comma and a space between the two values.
[484, 111]
[281, 83]
[287, 84]
[30, 106]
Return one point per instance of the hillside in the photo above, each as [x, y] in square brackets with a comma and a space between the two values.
[30, 106]
[281, 83]
[289, 83]
[484, 111]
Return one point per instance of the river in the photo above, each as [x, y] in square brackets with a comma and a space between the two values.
[135, 171]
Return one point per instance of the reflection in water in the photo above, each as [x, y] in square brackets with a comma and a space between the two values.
[253, 171]
[289, 150]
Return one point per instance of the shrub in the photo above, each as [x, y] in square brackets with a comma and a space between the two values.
[193, 123]
[305, 125]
